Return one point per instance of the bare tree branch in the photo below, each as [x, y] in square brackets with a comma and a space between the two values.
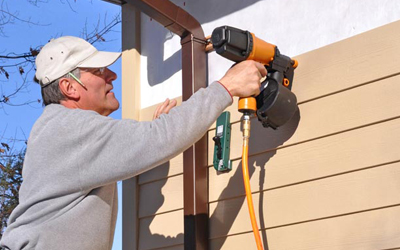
[98, 35]
[35, 2]
[7, 17]
[24, 62]
[69, 4]
[24, 56]
[7, 99]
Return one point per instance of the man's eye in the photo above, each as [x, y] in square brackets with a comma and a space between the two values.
[98, 71]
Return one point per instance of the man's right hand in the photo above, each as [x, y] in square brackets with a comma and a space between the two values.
[243, 79]
[164, 108]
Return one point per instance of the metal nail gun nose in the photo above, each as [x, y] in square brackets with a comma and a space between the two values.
[276, 103]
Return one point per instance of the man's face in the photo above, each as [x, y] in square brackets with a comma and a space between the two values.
[98, 96]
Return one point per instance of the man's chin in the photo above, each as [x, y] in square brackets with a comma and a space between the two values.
[112, 108]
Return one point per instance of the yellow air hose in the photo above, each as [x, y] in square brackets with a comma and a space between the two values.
[248, 106]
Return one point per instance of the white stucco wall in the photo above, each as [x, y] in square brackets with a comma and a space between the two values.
[294, 26]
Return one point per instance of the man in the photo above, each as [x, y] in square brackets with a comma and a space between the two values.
[76, 154]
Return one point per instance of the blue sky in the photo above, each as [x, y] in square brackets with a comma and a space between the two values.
[49, 19]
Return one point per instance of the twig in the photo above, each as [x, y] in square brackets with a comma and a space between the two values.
[70, 6]
[98, 35]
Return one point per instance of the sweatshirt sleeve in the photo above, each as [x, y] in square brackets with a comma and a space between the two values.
[110, 150]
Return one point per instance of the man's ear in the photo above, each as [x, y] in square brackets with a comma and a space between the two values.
[68, 88]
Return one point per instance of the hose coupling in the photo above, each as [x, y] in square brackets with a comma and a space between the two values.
[246, 127]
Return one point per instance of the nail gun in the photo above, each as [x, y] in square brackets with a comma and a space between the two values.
[276, 104]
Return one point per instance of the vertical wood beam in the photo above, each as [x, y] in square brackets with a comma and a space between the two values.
[194, 75]
[130, 110]
[131, 50]
[195, 158]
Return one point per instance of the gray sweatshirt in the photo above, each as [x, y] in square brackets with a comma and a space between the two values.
[68, 199]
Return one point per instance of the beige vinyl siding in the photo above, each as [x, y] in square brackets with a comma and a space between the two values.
[346, 110]
[174, 167]
[358, 191]
[161, 194]
[343, 153]
[358, 231]
[160, 209]
[161, 231]
[330, 178]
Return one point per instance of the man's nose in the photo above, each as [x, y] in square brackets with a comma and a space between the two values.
[110, 75]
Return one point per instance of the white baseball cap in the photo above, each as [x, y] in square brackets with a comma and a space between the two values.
[64, 54]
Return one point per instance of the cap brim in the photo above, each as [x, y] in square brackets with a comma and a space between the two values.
[100, 59]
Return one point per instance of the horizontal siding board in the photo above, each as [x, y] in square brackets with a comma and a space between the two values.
[357, 149]
[161, 231]
[347, 63]
[372, 230]
[342, 194]
[346, 110]
[170, 168]
[179, 247]
[161, 196]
